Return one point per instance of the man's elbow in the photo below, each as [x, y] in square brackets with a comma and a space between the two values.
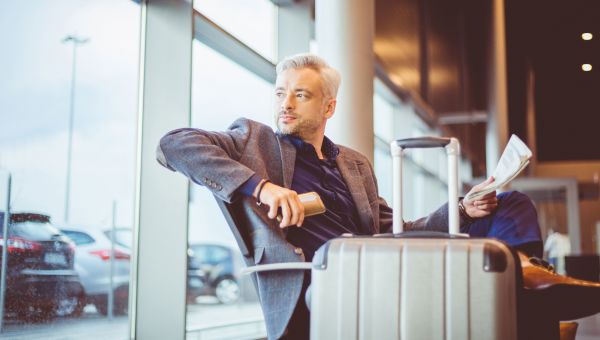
[160, 155]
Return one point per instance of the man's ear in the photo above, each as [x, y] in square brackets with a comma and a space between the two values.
[330, 108]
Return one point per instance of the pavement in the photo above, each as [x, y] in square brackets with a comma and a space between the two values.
[205, 320]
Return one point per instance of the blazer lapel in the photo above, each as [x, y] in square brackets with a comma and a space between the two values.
[349, 171]
[288, 161]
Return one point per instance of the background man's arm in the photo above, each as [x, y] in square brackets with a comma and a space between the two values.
[438, 220]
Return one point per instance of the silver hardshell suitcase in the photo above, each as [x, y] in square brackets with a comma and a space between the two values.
[414, 285]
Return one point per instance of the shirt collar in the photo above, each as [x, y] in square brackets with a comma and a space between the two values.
[329, 149]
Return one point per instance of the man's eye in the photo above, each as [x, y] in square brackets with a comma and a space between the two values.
[300, 95]
[279, 94]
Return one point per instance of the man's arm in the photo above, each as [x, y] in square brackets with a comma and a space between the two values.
[208, 158]
[211, 159]
[438, 220]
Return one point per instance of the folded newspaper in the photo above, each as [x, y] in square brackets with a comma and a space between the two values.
[514, 159]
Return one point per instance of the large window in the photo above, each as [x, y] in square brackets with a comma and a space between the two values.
[222, 91]
[68, 107]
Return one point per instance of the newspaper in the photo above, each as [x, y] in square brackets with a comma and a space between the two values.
[514, 159]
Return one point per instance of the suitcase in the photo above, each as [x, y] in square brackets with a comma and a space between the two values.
[423, 285]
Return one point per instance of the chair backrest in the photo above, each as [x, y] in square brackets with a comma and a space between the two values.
[237, 226]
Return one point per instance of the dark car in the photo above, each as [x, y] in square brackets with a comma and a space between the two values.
[214, 265]
[41, 280]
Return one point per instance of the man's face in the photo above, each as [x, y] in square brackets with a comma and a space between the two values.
[300, 106]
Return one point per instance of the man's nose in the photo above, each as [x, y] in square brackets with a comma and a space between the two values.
[288, 102]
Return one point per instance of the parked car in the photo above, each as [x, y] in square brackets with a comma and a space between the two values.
[209, 269]
[215, 266]
[40, 279]
[92, 262]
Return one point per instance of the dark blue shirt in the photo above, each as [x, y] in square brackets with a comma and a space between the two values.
[323, 177]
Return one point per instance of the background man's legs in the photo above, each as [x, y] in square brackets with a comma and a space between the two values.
[515, 222]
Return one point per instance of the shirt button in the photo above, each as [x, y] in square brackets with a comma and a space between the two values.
[298, 251]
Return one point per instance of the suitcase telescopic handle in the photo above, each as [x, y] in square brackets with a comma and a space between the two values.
[452, 147]
[422, 142]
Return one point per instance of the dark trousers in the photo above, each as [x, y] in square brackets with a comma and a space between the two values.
[514, 222]
[299, 325]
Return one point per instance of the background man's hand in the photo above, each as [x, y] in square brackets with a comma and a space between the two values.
[276, 197]
[483, 206]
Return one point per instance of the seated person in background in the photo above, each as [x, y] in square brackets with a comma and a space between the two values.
[250, 163]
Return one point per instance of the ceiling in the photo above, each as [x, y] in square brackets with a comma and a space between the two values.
[545, 37]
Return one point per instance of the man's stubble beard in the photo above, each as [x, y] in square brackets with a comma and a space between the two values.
[302, 127]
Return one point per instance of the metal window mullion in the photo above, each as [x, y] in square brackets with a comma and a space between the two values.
[215, 37]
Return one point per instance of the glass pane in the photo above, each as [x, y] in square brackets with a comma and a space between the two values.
[383, 118]
[69, 61]
[383, 170]
[253, 22]
[221, 302]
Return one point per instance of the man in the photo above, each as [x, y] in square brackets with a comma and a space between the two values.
[260, 173]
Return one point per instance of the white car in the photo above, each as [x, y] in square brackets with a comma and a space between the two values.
[92, 262]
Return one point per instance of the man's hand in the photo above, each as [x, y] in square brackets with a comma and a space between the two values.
[483, 206]
[276, 197]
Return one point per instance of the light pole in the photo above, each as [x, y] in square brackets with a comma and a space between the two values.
[76, 42]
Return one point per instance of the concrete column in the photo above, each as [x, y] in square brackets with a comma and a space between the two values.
[158, 284]
[344, 33]
[530, 119]
[497, 127]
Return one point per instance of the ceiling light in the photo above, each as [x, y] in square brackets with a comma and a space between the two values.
[586, 36]
[586, 67]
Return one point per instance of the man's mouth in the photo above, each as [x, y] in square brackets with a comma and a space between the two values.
[284, 118]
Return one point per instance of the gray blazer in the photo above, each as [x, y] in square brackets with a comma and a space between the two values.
[223, 161]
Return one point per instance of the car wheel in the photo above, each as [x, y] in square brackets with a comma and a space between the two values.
[69, 306]
[227, 290]
[118, 309]
[101, 307]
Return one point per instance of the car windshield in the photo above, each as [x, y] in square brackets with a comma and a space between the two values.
[33, 230]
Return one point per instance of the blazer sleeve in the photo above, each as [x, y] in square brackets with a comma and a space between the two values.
[209, 158]
[435, 221]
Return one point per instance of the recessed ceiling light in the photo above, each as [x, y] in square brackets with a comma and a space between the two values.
[586, 67]
[586, 36]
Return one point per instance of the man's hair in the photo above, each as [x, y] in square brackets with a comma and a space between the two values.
[330, 76]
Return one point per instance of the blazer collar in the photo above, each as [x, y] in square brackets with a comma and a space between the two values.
[349, 169]
[288, 160]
